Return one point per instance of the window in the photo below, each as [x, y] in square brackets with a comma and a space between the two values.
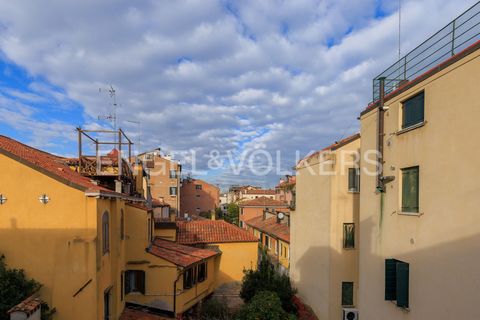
[197, 195]
[106, 305]
[413, 110]
[397, 282]
[149, 231]
[348, 235]
[353, 179]
[134, 281]
[347, 293]
[241, 224]
[173, 174]
[267, 241]
[122, 225]
[410, 189]
[276, 247]
[105, 233]
[198, 187]
[202, 272]
[173, 191]
[188, 279]
[122, 285]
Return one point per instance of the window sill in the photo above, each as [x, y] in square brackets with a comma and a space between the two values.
[353, 191]
[413, 214]
[407, 129]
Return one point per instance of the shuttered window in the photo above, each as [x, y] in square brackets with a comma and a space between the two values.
[173, 191]
[353, 179]
[347, 293]
[397, 282]
[202, 272]
[349, 235]
[134, 281]
[105, 233]
[410, 189]
[413, 110]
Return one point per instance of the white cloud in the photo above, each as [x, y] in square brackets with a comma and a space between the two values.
[216, 74]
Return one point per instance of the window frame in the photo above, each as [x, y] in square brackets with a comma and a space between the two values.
[397, 282]
[356, 180]
[351, 289]
[173, 174]
[345, 232]
[170, 191]
[410, 209]
[404, 107]
[203, 266]
[198, 187]
[139, 281]
[105, 233]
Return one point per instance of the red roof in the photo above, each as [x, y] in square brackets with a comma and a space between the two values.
[138, 205]
[159, 203]
[51, 165]
[291, 182]
[263, 202]
[333, 146]
[209, 231]
[271, 226]
[178, 254]
[260, 191]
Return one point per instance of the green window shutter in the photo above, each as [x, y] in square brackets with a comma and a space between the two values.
[349, 235]
[413, 110]
[402, 284]
[347, 293]
[390, 279]
[410, 189]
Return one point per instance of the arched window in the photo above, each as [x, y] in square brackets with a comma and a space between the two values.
[105, 233]
[122, 225]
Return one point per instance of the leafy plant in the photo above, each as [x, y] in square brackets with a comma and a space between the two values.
[265, 305]
[14, 288]
[232, 213]
[266, 278]
[215, 309]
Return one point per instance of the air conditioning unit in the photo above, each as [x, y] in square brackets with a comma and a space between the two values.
[350, 314]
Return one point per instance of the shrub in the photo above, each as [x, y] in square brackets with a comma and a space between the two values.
[265, 305]
[214, 309]
[14, 288]
[266, 278]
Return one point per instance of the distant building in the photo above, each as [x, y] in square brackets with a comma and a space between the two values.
[198, 197]
[250, 209]
[286, 189]
[272, 230]
[324, 247]
[163, 178]
[249, 194]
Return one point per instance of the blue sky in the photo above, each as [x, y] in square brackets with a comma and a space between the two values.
[202, 75]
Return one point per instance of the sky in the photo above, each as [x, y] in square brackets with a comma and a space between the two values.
[242, 89]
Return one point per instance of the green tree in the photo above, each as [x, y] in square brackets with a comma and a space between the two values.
[232, 213]
[14, 288]
[266, 278]
[265, 305]
[218, 213]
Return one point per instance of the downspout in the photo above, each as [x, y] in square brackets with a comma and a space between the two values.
[175, 295]
[380, 136]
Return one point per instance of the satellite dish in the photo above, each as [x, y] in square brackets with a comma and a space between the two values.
[281, 215]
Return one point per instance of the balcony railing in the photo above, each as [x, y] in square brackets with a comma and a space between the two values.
[451, 39]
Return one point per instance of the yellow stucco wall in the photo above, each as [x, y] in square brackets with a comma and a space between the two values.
[318, 262]
[235, 258]
[442, 244]
[55, 243]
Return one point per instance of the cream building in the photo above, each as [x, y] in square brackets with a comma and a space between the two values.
[420, 237]
[324, 244]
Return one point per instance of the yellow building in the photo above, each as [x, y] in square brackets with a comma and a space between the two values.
[420, 235]
[272, 230]
[324, 250]
[238, 247]
[64, 230]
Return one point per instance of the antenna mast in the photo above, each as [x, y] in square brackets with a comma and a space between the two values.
[399, 28]
[113, 116]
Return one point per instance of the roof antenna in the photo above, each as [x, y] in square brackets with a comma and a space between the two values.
[113, 116]
[399, 28]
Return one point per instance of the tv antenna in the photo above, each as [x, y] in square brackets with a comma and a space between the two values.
[399, 28]
[139, 124]
[112, 116]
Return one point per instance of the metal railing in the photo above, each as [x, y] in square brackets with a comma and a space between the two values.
[451, 39]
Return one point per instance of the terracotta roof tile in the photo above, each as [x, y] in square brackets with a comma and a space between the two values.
[138, 205]
[260, 191]
[208, 231]
[54, 166]
[271, 226]
[178, 254]
[27, 306]
[263, 202]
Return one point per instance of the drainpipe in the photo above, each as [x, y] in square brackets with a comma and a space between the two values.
[381, 135]
[175, 295]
